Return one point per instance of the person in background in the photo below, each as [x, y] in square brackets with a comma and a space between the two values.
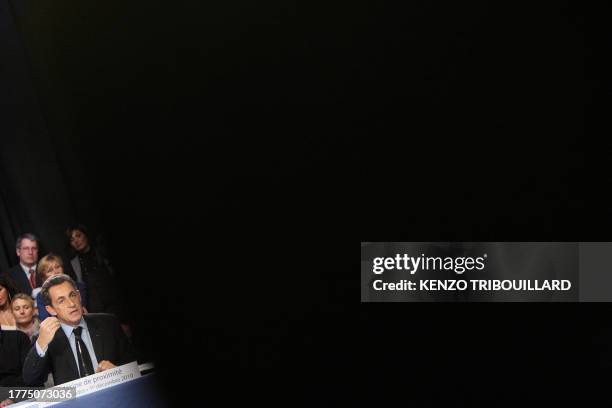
[52, 265]
[24, 274]
[14, 347]
[23, 310]
[93, 268]
[7, 289]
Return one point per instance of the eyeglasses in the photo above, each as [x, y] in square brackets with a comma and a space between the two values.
[29, 249]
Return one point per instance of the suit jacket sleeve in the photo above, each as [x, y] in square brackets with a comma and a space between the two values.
[24, 346]
[35, 368]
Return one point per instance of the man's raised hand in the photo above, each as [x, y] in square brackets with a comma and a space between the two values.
[47, 331]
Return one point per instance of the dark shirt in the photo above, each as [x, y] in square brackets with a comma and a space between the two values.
[14, 347]
[102, 289]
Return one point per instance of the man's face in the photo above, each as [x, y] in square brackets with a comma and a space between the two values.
[65, 303]
[23, 311]
[78, 241]
[28, 252]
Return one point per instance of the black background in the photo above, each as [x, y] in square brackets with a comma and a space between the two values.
[234, 154]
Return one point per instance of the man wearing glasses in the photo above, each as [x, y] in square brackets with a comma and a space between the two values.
[24, 274]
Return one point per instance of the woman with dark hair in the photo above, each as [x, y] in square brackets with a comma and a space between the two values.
[7, 290]
[91, 267]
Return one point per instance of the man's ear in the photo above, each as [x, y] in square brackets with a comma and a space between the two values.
[51, 311]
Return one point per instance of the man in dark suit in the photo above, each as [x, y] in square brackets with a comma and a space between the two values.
[72, 345]
[24, 274]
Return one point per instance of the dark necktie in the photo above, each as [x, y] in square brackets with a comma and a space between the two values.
[32, 279]
[85, 365]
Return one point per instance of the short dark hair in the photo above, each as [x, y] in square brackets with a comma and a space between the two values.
[54, 281]
[27, 235]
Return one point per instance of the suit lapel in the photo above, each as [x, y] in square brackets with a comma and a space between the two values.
[96, 337]
[20, 279]
[62, 346]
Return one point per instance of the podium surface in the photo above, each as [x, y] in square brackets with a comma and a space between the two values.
[140, 392]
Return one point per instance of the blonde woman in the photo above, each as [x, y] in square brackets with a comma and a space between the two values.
[51, 265]
[23, 310]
